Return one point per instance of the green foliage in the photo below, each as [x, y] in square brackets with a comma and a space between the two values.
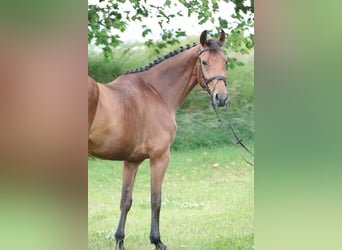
[102, 20]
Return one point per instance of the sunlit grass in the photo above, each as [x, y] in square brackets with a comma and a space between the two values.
[207, 202]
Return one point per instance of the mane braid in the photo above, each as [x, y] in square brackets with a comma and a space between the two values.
[161, 59]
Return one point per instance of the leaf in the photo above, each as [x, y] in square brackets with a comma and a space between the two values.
[149, 43]
[180, 33]
[223, 23]
[145, 32]
[167, 3]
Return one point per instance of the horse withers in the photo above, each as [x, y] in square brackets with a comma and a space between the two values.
[133, 118]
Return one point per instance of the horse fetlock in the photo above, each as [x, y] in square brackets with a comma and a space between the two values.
[154, 238]
[119, 237]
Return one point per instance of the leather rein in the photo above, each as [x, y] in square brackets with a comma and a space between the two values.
[238, 140]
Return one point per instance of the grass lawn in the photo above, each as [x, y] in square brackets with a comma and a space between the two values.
[207, 202]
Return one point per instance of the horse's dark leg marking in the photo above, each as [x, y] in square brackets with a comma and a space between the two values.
[128, 177]
[158, 168]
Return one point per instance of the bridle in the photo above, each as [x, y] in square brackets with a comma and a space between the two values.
[206, 81]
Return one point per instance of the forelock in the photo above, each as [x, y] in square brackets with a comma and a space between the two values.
[214, 44]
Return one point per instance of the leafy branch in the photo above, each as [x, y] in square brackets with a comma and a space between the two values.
[115, 15]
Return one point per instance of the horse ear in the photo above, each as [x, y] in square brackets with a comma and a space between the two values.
[222, 37]
[203, 38]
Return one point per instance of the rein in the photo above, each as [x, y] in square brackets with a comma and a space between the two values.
[224, 79]
[238, 140]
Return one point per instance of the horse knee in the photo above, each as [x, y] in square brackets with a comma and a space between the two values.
[157, 205]
[156, 202]
[126, 205]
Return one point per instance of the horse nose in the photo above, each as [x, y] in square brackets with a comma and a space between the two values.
[221, 100]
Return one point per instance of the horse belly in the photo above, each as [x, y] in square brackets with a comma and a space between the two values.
[119, 154]
[110, 147]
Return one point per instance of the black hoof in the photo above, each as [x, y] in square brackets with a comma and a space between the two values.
[119, 245]
[160, 246]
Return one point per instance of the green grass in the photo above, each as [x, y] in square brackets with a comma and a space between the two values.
[207, 203]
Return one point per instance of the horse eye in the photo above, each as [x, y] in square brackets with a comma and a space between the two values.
[205, 63]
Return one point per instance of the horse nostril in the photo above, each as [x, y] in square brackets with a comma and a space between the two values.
[221, 100]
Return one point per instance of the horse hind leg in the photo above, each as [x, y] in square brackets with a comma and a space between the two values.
[129, 172]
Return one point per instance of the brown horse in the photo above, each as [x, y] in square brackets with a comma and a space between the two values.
[133, 118]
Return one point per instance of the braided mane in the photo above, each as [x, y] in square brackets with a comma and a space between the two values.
[161, 59]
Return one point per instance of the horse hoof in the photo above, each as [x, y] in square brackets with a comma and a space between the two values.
[119, 245]
[161, 246]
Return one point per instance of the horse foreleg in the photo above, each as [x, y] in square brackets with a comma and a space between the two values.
[158, 168]
[129, 172]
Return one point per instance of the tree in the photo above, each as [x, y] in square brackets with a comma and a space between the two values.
[110, 15]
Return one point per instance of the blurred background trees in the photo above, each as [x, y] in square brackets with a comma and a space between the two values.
[107, 20]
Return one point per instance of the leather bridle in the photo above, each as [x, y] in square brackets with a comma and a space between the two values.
[205, 81]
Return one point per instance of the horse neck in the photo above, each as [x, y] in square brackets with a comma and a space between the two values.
[174, 78]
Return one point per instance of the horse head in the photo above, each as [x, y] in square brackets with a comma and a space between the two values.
[212, 68]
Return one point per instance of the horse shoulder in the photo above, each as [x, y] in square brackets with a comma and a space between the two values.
[162, 128]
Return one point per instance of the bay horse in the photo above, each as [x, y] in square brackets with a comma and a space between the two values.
[133, 117]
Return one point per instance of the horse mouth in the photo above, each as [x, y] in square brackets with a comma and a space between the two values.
[219, 100]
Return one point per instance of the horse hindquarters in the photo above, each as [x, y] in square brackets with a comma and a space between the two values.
[93, 95]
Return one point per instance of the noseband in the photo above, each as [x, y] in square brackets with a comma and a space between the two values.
[205, 80]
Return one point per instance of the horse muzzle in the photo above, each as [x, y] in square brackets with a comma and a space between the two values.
[220, 99]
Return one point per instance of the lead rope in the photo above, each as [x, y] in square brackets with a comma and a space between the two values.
[239, 141]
